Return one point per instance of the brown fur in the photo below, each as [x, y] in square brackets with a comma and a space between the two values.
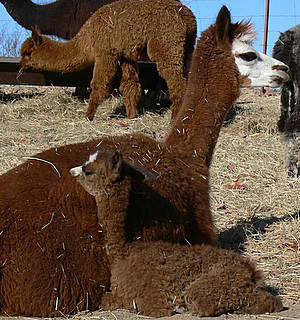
[173, 207]
[158, 279]
[64, 18]
[163, 31]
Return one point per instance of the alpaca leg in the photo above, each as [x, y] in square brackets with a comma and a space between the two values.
[130, 89]
[224, 289]
[289, 128]
[138, 288]
[105, 71]
[170, 65]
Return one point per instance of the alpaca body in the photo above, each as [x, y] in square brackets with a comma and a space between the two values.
[163, 279]
[49, 212]
[64, 18]
[159, 278]
[163, 31]
[50, 264]
[287, 50]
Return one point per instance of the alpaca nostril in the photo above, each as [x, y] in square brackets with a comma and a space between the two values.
[281, 67]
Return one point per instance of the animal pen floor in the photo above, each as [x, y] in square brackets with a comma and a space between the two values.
[254, 203]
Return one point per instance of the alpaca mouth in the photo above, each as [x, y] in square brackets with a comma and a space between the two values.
[283, 77]
[280, 79]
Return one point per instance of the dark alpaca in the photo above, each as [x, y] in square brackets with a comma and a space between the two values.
[287, 50]
[48, 222]
[117, 35]
[159, 279]
[61, 18]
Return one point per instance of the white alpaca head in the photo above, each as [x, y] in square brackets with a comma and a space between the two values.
[258, 69]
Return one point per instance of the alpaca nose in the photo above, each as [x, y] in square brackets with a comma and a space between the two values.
[281, 67]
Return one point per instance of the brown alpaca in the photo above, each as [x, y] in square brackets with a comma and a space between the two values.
[163, 31]
[63, 18]
[48, 222]
[159, 279]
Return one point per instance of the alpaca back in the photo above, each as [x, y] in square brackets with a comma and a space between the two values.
[127, 26]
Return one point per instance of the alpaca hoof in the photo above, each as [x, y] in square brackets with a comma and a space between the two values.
[131, 115]
[90, 116]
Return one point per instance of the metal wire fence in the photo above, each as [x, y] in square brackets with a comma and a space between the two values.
[283, 15]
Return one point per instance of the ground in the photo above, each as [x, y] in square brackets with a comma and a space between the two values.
[254, 203]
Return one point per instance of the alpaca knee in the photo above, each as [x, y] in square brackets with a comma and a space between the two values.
[176, 91]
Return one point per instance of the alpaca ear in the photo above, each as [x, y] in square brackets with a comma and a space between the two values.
[223, 34]
[36, 36]
[141, 173]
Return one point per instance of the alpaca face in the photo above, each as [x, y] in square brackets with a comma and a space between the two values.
[101, 170]
[256, 68]
[26, 51]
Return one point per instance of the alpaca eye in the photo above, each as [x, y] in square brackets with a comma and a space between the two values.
[86, 171]
[248, 56]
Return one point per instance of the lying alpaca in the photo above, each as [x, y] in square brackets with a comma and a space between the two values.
[163, 31]
[287, 50]
[48, 222]
[158, 279]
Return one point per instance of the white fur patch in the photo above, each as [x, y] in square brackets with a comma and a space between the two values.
[76, 171]
[92, 157]
[247, 37]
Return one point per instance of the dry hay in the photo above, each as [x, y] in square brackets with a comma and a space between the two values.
[255, 204]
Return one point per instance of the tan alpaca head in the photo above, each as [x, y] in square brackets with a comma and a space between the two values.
[32, 46]
[104, 169]
[29, 45]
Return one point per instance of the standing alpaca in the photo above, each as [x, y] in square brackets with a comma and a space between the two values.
[48, 222]
[287, 50]
[63, 18]
[163, 31]
[159, 279]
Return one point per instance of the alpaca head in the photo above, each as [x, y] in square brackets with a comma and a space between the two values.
[283, 47]
[105, 169]
[256, 68]
[33, 48]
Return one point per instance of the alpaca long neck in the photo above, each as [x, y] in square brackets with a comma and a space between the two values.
[112, 212]
[62, 57]
[54, 18]
[211, 90]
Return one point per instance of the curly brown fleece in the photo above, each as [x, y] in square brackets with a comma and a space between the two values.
[158, 278]
[163, 31]
[49, 222]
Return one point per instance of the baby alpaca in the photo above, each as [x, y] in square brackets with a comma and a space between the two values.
[122, 32]
[159, 278]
